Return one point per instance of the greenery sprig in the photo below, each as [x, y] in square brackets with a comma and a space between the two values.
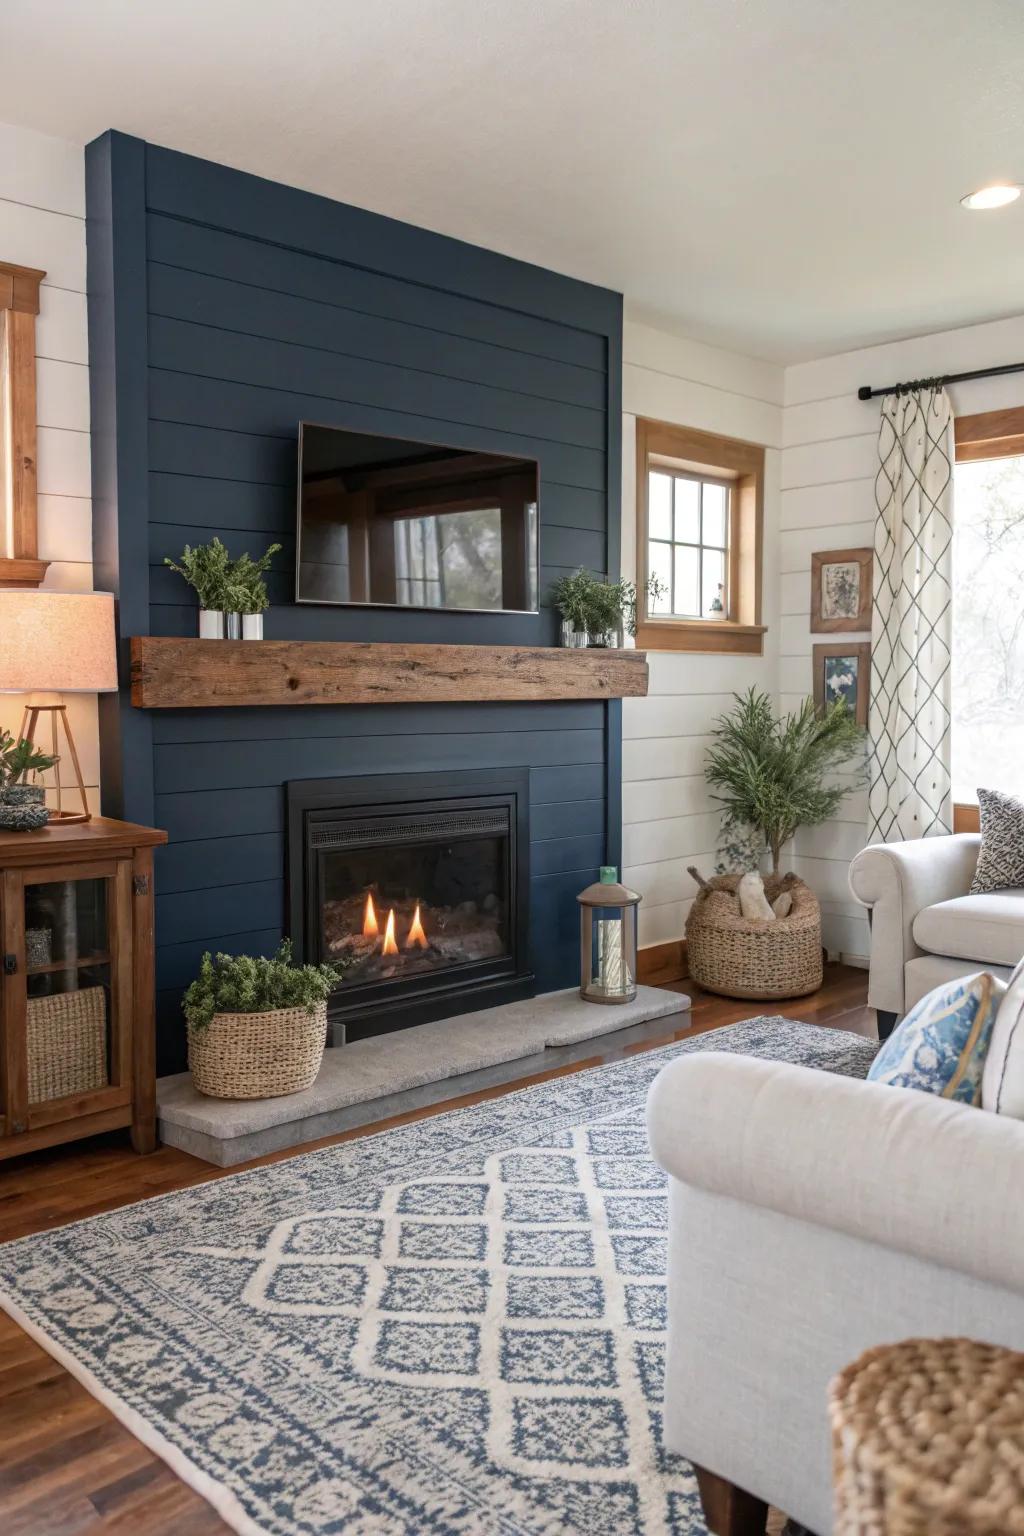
[207, 570]
[770, 772]
[247, 591]
[256, 984]
[223, 584]
[19, 757]
[591, 603]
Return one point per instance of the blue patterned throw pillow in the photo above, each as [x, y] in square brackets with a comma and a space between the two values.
[940, 1046]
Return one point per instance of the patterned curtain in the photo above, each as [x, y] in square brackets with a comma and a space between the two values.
[911, 631]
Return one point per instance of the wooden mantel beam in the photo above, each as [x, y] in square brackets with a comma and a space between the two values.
[172, 673]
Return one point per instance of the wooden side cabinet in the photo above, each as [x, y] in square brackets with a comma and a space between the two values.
[77, 1051]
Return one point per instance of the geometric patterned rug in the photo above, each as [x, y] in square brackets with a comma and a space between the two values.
[448, 1329]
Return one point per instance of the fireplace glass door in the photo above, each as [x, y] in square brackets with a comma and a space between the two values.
[414, 895]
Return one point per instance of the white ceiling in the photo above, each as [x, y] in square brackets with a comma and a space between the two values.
[780, 177]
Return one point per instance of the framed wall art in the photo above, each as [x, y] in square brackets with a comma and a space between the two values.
[843, 672]
[841, 591]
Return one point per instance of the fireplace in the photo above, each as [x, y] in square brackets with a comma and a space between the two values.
[419, 884]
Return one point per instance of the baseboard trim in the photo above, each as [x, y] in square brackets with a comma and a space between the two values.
[659, 964]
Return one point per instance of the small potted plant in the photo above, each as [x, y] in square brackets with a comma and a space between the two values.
[248, 591]
[594, 611]
[22, 806]
[257, 1025]
[207, 569]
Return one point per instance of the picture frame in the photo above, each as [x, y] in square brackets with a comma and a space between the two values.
[843, 671]
[841, 591]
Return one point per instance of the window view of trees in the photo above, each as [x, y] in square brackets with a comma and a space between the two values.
[988, 628]
[450, 560]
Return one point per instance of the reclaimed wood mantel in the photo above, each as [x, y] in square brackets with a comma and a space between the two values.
[172, 673]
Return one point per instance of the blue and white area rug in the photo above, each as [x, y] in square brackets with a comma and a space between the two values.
[454, 1328]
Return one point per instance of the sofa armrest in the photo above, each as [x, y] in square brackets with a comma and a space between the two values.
[897, 881]
[910, 1171]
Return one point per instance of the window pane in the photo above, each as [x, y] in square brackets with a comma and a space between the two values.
[659, 506]
[659, 563]
[716, 500]
[687, 597]
[988, 628]
[714, 584]
[687, 512]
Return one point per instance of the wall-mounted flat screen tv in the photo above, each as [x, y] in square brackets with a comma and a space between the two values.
[383, 520]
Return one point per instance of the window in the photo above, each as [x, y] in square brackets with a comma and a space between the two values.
[988, 610]
[699, 514]
[688, 544]
[19, 304]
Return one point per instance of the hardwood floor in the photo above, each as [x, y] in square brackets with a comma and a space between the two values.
[66, 1465]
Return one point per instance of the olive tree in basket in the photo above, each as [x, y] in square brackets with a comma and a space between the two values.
[773, 773]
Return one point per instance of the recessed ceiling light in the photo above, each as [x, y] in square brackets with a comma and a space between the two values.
[991, 197]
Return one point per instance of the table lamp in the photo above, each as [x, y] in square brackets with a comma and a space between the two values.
[53, 643]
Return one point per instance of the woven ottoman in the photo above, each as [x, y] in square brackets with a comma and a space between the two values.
[928, 1440]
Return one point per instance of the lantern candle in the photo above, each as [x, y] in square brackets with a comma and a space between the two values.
[608, 930]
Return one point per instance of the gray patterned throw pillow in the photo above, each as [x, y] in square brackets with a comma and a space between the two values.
[1001, 861]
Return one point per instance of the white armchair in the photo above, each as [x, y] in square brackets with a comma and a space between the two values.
[810, 1217]
[925, 927]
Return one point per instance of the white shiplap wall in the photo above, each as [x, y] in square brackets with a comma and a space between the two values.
[42, 224]
[669, 820]
[828, 502]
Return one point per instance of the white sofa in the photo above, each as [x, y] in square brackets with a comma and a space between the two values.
[811, 1216]
[925, 928]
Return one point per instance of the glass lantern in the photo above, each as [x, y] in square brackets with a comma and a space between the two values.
[608, 913]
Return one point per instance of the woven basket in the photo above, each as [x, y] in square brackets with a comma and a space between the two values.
[738, 956]
[928, 1440]
[67, 1044]
[258, 1055]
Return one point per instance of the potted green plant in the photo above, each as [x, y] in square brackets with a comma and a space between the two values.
[257, 1025]
[207, 569]
[594, 611]
[22, 805]
[248, 591]
[769, 772]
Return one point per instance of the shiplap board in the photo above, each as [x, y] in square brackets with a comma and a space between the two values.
[62, 395]
[674, 714]
[62, 326]
[659, 799]
[796, 546]
[64, 462]
[825, 507]
[653, 842]
[41, 172]
[647, 759]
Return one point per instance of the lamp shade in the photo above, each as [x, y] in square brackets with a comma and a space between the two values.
[57, 642]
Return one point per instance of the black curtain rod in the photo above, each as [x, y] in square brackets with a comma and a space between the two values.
[867, 393]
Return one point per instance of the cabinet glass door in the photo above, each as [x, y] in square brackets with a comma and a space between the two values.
[77, 970]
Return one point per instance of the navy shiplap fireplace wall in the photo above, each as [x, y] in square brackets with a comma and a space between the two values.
[224, 309]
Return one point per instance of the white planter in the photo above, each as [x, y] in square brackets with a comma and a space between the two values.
[574, 639]
[211, 624]
[234, 623]
[252, 626]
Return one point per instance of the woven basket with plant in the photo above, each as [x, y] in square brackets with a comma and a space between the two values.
[769, 775]
[257, 1026]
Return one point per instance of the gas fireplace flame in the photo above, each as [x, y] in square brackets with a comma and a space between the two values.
[389, 946]
[416, 934]
[371, 927]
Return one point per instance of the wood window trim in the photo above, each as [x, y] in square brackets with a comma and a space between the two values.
[742, 464]
[20, 565]
[985, 435]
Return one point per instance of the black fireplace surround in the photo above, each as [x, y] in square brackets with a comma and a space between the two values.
[418, 884]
